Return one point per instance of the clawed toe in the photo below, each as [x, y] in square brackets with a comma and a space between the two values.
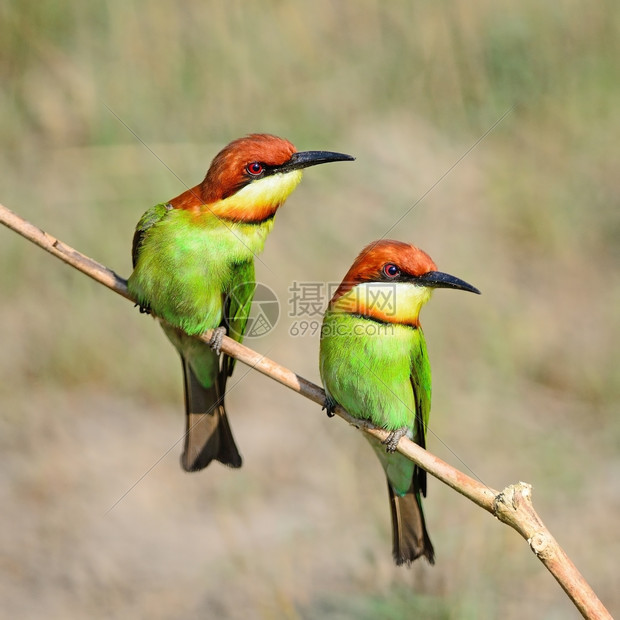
[215, 342]
[329, 406]
[391, 441]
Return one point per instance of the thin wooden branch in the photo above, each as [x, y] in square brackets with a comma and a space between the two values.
[512, 506]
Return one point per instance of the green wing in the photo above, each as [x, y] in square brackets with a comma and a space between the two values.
[237, 308]
[151, 217]
[421, 384]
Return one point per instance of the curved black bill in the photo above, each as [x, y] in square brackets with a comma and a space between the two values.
[438, 279]
[304, 159]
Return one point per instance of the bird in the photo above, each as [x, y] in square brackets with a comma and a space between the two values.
[193, 268]
[374, 363]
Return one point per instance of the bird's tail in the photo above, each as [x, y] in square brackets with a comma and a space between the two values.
[409, 536]
[208, 435]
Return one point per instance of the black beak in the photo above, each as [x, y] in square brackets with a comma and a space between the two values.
[438, 279]
[311, 158]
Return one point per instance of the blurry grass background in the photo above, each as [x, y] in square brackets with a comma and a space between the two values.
[526, 377]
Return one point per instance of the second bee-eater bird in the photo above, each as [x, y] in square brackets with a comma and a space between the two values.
[190, 253]
[374, 363]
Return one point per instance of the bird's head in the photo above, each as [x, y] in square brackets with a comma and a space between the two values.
[249, 179]
[390, 281]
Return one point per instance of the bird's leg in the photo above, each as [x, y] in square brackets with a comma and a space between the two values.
[143, 309]
[329, 406]
[391, 441]
[215, 342]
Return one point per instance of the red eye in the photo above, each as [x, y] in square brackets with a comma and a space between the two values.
[391, 270]
[254, 168]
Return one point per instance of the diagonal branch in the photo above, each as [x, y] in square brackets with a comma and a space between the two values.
[512, 506]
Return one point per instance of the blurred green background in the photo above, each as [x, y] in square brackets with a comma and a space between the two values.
[526, 377]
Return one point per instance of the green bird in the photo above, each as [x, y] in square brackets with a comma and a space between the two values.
[193, 260]
[374, 363]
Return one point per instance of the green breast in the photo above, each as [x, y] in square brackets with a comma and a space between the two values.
[379, 372]
[187, 264]
[366, 367]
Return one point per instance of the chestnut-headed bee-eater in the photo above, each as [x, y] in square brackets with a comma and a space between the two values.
[374, 363]
[191, 252]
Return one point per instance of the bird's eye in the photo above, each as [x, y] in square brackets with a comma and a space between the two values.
[254, 168]
[391, 270]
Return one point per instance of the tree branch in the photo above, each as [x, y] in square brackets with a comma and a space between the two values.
[512, 506]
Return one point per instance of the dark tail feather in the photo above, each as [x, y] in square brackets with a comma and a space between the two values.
[409, 536]
[208, 435]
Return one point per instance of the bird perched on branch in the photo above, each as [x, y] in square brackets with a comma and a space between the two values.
[191, 252]
[373, 362]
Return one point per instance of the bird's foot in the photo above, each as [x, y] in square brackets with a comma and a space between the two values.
[143, 309]
[215, 342]
[391, 441]
[329, 406]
